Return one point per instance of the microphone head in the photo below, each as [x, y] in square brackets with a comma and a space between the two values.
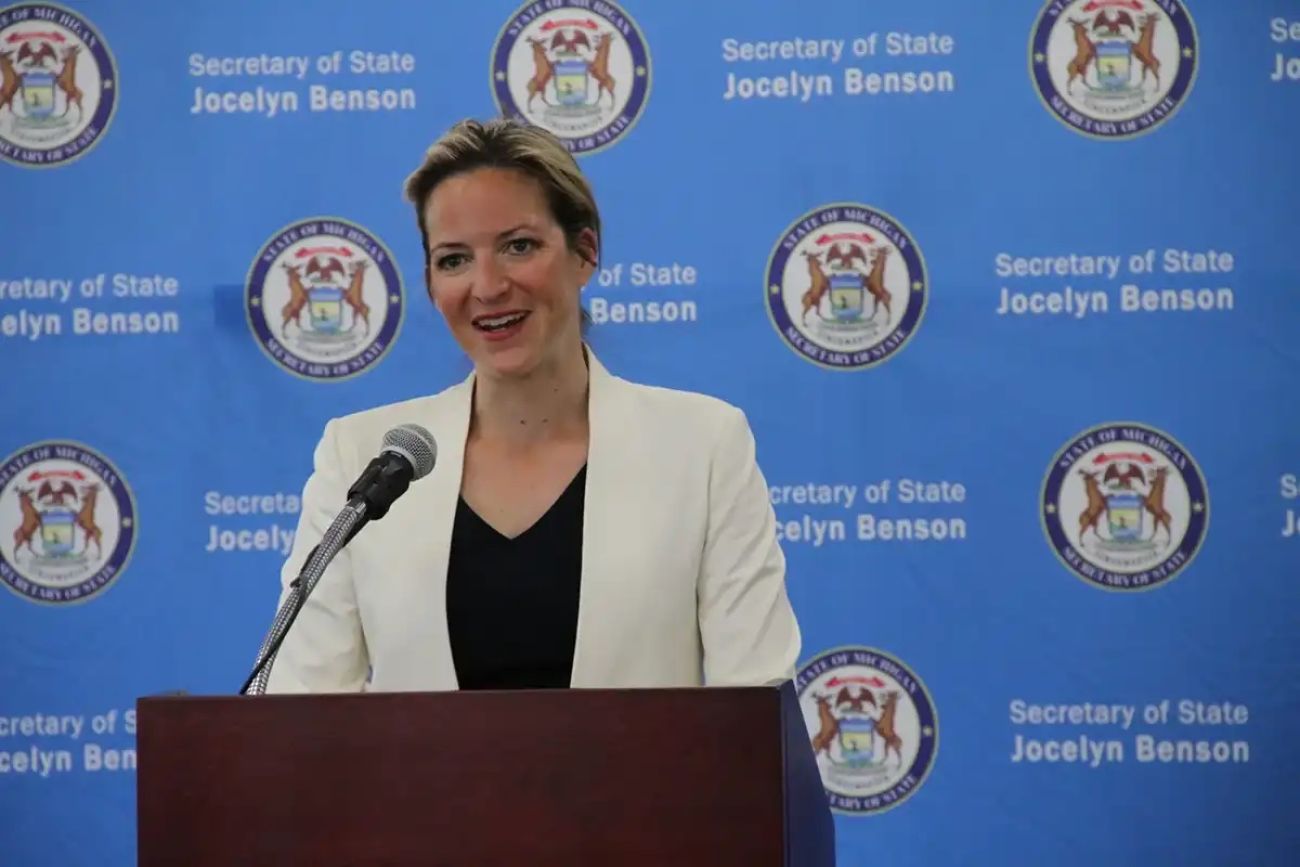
[414, 443]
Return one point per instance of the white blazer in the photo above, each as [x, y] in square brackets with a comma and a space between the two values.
[683, 580]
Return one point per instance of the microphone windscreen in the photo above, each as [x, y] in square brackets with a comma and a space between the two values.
[414, 443]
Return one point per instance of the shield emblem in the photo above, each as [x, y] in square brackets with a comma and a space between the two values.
[56, 532]
[38, 94]
[847, 295]
[326, 306]
[571, 81]
[1124, 515]
[857, 738]
[1113, 63]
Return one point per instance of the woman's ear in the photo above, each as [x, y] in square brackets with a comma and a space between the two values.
[587, 246]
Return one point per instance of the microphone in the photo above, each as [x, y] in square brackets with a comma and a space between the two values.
[409, 453]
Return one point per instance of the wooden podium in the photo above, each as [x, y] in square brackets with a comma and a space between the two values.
[708, 776]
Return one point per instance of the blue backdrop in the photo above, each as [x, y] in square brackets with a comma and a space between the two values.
[1009, 297]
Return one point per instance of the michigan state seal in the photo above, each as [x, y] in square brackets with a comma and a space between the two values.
[873, 726]
[846, 286]
[1113, 68]
[578, 69]
[58, 85]
[324, 299]
[1125, 506]
[67, 522]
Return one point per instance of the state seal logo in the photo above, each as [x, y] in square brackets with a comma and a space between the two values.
[58, 85]
[873, 726]
[1113, 69]
[324, 299]
[846, 286]
[1124, 506]
[578, 69]
[67, 522]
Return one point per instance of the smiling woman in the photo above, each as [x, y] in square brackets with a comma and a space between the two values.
[578, 529]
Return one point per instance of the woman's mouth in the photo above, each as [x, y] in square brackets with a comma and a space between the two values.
[499, 326]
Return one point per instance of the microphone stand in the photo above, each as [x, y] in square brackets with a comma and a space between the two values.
[340, 532]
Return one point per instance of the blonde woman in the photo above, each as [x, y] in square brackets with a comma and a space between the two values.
[579, 529]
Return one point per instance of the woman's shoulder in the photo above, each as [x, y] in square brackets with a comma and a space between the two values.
[685, 411]
[678, 430]
[679, 399]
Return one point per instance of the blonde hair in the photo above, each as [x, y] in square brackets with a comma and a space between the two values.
[510, 144]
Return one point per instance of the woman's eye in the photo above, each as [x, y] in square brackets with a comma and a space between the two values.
[521, 245]
[451, 260]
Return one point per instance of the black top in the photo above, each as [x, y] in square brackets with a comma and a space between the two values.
[512, 604]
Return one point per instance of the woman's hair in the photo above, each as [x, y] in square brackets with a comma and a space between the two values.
[509, 144]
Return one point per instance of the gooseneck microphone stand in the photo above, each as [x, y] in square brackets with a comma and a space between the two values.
[345, 525]
[409, 453]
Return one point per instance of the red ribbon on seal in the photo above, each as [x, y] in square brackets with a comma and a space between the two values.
[869, 681]
[56, 474]
[304, 252]
[1104, 458]
[845, 236]
[23, 37]
[1094, 5]
[570, 22]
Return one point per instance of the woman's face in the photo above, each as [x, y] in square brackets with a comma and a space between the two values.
[499, 270]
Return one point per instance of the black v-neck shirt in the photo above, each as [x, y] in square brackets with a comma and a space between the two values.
[512, 604]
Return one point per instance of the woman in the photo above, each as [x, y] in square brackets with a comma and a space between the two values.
[578, 529]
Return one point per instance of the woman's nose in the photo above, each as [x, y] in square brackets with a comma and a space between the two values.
[490, 283]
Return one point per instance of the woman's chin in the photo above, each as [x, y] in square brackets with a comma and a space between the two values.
[517, 360]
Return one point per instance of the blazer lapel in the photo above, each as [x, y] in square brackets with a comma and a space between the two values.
[601, 520]
[420, 599]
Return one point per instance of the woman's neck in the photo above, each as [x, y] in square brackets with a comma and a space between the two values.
[549, 403]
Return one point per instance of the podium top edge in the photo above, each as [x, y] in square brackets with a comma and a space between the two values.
[173, 696]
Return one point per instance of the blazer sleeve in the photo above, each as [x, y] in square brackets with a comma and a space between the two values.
[324, 649]
[747, 626]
